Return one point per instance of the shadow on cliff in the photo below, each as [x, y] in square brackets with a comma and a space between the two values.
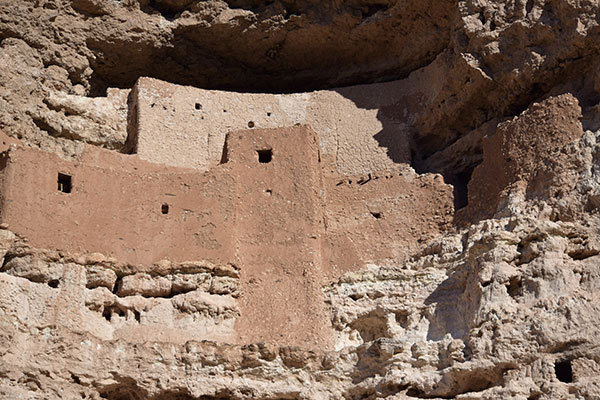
[398, 138]
[395, 133]
[451, 307]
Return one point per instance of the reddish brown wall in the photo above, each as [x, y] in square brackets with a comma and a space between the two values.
[279, 228]
[290, 224]
[519, 148]
[377, 217]
[115, 207]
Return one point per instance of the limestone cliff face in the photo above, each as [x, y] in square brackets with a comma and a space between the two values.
[498, 300]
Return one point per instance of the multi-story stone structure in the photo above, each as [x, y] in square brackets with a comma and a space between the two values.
[268, 202]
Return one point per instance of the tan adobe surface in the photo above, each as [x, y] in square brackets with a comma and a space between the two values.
[278, 233]
[363, 128]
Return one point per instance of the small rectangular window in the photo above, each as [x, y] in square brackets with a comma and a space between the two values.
[64, 183]
[265, 156]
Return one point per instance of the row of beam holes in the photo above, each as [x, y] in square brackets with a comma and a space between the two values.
[65, 182]
[109, 311]
[363, 181]
[251, 124]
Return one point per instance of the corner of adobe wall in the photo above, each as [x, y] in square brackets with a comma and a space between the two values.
[519, 150]
[133, 120]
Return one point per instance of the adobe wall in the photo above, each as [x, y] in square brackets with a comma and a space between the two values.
[362, 128]
[291, 223]
[364, 218]
[264, 217]
[115, 207]
[279, 228]
[116, 203]
[373, 218]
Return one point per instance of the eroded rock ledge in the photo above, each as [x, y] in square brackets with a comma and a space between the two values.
[500, 97]
[474, 63]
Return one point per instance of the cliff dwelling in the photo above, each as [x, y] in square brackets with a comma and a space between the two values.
[299, 200]
[273, 206]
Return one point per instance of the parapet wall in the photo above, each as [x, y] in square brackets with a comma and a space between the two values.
[362, 128]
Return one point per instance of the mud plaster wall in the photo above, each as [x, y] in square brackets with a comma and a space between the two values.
[116, 207]
[139, 212]
[370, 218]
[279, 229]
[263, 216]
[363, 128]
[290, 222]
[117, 202]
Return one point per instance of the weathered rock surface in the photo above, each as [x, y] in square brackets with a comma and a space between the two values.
[527, 153]
[476, 61]
[500, 97]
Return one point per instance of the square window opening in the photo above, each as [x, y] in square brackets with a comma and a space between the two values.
[164, 208]
[265, 156]
[64, 183]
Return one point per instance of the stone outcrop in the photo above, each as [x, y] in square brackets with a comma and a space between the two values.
[430, 231]
[519, 156]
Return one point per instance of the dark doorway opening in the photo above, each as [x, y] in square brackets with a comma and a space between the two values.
[64, 183]
[564, 371]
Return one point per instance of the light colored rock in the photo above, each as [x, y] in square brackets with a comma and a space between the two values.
[7, 238]
[101, 120]
[100, 277]
[496, 308]
[186, 127]
[144, 285]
